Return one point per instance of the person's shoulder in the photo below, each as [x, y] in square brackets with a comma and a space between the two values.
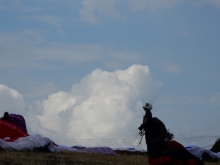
[157, 120]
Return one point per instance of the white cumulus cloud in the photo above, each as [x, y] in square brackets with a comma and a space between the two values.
[11, 101]
[102, 109]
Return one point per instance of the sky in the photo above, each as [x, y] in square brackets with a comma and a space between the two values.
[80, 71]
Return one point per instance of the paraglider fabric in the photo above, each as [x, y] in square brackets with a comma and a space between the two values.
[198, 151]
[173, 154]
[29, 143]
[14, 138]
[19, 121]
[10, 132]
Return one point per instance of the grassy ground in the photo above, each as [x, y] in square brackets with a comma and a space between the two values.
[33, 158]
[37, 158]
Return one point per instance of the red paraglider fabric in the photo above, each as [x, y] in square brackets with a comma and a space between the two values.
[10, 132]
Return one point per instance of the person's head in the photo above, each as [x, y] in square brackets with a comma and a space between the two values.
[6, 114]
[147, 106]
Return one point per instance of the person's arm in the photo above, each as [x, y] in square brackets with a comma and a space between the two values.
[144, 121]
[147, 116]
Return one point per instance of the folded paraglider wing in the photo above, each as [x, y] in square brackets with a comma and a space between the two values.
[10, 132]
[19, 121]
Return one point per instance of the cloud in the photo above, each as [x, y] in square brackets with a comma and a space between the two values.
[215, 3]
[32, 48]
[19, 6]
[121, 59]
[29, 49]
[171, 68]
[2, 7]
[103, 109]
[92, 11]
[70, 52]
[196, 100]
[54, 21]
[125, 55]
[19, 50]
[36, 91]
[138, 5]
[11, 101]
[176, 100]
[215, 99]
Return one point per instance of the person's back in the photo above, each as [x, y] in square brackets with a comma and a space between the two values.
[155, 130]
[155, 134]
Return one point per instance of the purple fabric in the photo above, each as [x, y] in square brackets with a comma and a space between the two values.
[19, 121]
[100, 150]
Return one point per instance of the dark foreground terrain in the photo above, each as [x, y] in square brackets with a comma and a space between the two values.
[39, 158]
[73, 158]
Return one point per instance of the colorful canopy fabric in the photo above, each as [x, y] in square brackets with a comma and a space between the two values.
[19, 121]
[10, 132]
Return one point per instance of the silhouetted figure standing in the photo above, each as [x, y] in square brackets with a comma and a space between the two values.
[155, 131]
[161, 149]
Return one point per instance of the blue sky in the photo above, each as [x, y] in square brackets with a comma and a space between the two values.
[61, 60]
